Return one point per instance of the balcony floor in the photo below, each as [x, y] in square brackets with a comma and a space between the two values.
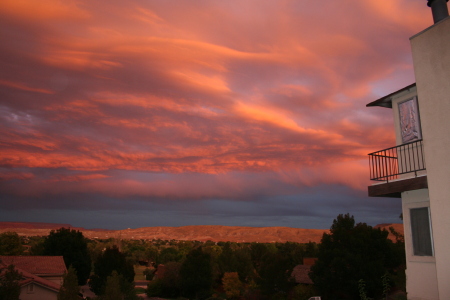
[394, 189]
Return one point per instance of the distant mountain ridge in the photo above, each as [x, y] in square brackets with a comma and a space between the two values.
[216, 233]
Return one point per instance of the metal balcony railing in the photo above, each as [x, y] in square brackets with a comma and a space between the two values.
[389, 163]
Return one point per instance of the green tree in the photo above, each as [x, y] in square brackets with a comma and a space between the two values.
[169, 279]
[107, 262]
[196, 275]
[227, 259]
[152, 253]
[236, 260]
[37, 245]
[350, 253]
[70, 289]
[9, 283]
[275, 274]
[259, 250]
[232, 285]
[10, 244]
[117, 288]
[302, 292]
[169, 254]
[154, 288]
[245, 267]
[72, 245]
[112, 288]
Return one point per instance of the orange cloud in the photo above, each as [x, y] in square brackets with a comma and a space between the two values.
[20, 86]
[199, 88]
[16, 175]
[43, 10]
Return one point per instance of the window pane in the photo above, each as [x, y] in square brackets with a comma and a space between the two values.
[421, 234]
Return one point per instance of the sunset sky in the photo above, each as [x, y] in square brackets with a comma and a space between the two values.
[117, 114]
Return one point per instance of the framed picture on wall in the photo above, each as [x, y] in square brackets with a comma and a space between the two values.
[409, 120]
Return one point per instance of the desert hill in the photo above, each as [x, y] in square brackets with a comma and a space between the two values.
[214, 233]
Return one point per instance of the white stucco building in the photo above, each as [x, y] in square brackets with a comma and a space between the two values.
[417, 170]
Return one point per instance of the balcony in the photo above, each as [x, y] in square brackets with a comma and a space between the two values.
[398, 169]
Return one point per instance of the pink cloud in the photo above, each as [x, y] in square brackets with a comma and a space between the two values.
[211, 87]
[20, 86]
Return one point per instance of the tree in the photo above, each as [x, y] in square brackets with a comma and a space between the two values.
[169, 254]
[275, 274]
[350, 253]
[9, 283]
[72, 245]
[70, 289]
[117, 288]
[236, 260]
[303, 291]
[232, 285]
[112, 288]
[167, 284]
[36, 244]
[10, 244]
[107, 262]
[151, 253]
[196, 274]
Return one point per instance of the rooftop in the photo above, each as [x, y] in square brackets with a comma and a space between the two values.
[37, 265]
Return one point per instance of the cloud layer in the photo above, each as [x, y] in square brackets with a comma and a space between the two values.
[181, 102]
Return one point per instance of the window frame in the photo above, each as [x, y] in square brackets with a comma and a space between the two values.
[417, 248]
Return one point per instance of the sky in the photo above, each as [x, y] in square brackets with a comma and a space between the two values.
[125, 114]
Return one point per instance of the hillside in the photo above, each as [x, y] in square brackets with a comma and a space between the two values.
[214, 233]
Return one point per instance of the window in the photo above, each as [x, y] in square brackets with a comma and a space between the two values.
[30, 288]
[421, 232]
[409, 120]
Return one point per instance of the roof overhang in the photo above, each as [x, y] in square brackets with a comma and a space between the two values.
[386, 101]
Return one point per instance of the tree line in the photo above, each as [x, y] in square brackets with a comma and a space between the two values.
[350, 254]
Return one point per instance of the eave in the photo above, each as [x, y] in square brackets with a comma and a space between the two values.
[386, 101]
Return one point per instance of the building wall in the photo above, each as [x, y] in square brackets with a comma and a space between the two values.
[421, 281]
[38, 293]
[431, 57]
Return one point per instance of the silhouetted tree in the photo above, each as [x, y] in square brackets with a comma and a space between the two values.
[9, 283]
[169, 279]
[151, 253]
[70, 289]
[10, 244]
[107, 262]
[112, 288]
[236, 258]
[275, 274]
[72, 245]
[196, 275]
[169, 254]
[350, 253]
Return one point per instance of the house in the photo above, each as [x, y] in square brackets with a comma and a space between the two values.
[51, 268]
[42, 276]
[417, 169]
[300, 273]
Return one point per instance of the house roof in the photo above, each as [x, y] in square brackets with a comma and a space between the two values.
[28, 278]
[37, 265]
[301, 274]
[386, 101]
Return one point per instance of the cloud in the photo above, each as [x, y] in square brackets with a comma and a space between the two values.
[181, 101]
